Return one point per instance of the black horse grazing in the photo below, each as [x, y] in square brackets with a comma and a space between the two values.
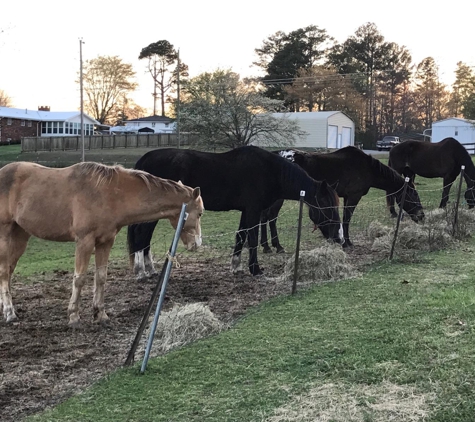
[441, 159]
[352, 173]
[247, 179]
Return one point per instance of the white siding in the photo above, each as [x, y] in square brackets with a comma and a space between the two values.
[460, 129]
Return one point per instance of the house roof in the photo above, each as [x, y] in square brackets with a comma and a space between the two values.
[41, 116]
[162, 119]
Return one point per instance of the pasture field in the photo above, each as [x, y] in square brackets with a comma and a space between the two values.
[393, 344]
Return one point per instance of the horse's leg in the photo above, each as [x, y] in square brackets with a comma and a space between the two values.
[252, 240]
[448, 181]
[263, 225]
[241, 235]
[140, 237]
[348, 210]
[18, 243]
[102, 258]
[5, 259]
[84, 248]
[272, 216]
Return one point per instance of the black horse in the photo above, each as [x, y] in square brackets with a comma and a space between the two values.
[247, 179]
[352, 173]
[441, 159]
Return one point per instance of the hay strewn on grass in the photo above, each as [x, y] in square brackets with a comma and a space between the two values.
[182, 325]
[328, 262]
[356, 403]
[434, 233]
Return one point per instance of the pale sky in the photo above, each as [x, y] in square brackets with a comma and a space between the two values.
[39, 48]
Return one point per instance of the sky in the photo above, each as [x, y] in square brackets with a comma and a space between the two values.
[40, 54]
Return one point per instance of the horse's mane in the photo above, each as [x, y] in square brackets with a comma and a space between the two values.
[384, 170]
[104, 174]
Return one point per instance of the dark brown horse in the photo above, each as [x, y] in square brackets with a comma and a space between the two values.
[352, 173]
[441, 159]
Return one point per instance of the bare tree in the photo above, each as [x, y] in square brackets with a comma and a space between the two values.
[5, 100]
[107, 83]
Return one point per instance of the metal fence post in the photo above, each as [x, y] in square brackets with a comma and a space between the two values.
[179, 228]
[406, 181]
[454, 227]
[297, 247]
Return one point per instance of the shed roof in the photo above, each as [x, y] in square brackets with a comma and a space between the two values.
[163, 119]
[457, 120]
[315, 115]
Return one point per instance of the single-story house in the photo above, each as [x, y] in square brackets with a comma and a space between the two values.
[461, 129]
[16, 123]
[151, 124]
[324, 129]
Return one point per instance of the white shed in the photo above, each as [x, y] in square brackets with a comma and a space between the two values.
[325, 129]
[461, 129]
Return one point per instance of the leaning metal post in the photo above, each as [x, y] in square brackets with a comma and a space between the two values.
[297, 247]
[401, 205]
[181, 222]
[454, 228]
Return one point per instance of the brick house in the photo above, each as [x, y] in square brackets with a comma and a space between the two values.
[16, 123]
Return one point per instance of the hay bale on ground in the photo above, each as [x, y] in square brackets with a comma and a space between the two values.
[328, 262]
[377, 229]
[434, 233]
[182, 325]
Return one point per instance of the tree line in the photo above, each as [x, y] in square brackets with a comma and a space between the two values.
[372, 80]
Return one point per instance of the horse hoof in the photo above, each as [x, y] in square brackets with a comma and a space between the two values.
[75, 325]
[267, 250]
[280, 250]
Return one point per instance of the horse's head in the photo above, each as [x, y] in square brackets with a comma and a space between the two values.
[323, 211]
[412, 204]
[470, 197]
[191, 233]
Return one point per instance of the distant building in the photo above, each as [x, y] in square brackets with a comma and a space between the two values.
[324, 129]
[461, 129]
[151, 124]
[16, 123]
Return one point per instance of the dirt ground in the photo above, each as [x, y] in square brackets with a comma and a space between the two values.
[43, 362]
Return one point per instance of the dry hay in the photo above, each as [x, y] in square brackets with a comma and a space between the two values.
[434, 233]
[328, 262]
[383, 402]
[377, 229]
[182, 325]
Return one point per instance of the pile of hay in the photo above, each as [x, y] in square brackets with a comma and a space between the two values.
[377, 229]
[434, 233]
[328, 262]
[182, 325]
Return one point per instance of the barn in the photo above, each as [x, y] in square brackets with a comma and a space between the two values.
[325, 129]
[461, 129]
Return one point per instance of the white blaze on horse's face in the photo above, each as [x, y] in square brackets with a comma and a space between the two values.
[340, 233]
[288, 155]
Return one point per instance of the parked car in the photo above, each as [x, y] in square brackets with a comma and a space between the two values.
[387, 143]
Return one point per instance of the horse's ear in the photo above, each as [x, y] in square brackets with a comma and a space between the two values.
[324, 186]
[196, 192]
[179, 182]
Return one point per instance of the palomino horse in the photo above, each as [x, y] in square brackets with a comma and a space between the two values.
[440, 159]
[353, 173]
[87, 203]
[248, 179]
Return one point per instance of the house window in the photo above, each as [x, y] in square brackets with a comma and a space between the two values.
[29, 123]
[9, 122]
[22, 123]
[456, 132]
[166, 124]
[153, 124]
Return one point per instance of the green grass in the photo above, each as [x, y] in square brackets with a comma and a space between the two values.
[355, 332]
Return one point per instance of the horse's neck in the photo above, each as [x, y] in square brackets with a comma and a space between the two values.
[151, 203]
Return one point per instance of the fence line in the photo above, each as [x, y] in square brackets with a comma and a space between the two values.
[73, 143]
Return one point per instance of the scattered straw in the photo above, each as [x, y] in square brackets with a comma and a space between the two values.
[383, 402]
[182, 325]
[328, 262]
